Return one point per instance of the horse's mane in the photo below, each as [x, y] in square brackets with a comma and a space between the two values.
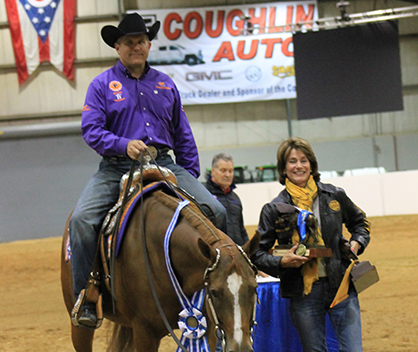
[209, 233]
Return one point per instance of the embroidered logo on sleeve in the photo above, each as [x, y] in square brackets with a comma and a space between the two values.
[116, 88]
[161, 85]
[86, 108]
[334, 205]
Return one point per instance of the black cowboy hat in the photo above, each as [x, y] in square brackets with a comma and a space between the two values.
[131, 24]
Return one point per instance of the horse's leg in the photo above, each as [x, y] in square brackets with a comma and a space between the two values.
[82, 339]
[144, 340]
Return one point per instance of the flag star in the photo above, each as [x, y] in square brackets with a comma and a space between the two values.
[27, 7]
[35, 20]
[42, 33]
[47, 19]
[41, 11]
[53, 4]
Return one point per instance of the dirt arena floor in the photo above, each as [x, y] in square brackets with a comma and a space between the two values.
[33, 317]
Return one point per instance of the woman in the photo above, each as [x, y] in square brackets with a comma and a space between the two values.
[311, 285]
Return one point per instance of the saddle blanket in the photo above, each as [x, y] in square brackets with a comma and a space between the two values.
[127, 211]
[130, 206]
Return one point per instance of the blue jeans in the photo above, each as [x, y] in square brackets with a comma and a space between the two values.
[308, 316]
[100, 195]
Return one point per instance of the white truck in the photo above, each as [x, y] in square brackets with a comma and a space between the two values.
[174, 54]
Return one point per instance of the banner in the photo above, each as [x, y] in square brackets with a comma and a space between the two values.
[42, 31]
[228, 54]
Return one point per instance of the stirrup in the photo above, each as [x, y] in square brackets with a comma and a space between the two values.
[76, 311]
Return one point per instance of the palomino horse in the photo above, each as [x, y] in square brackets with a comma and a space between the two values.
[201, 256]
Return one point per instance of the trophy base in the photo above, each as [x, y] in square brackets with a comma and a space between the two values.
[309, 252]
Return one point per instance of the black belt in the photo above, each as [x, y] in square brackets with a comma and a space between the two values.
[161, 152]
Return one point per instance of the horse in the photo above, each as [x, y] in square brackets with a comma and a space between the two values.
[201, 257]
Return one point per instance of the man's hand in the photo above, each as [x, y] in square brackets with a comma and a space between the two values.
[134, 148]
[291, 260]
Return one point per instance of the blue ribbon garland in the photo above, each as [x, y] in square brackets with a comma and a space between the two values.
[191, 322]
[301, 223]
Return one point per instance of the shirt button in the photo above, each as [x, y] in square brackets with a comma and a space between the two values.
[147, 124]
[150, 138]
[142, 93]
[145, 108]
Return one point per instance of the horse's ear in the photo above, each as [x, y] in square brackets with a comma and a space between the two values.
[206, 250]
[312, 225]
[251, 246]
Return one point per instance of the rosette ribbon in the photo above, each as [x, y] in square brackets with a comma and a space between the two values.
[191, 321]
[301, 223]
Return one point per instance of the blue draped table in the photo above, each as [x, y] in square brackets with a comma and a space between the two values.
[275, 331]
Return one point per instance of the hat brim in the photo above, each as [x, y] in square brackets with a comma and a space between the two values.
[110, 34]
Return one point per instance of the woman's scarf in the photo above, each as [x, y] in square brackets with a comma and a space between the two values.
[303, 198]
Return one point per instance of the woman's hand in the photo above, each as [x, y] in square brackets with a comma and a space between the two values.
[291, 260]
[355, 246]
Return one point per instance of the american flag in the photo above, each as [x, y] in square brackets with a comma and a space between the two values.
[42, 31]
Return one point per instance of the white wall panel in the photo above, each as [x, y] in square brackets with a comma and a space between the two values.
[409, 60]
[7, 100]
[318, 129]
[88, 40]
[6, 50]
[220, 126]
[96, 7]
[160, 4]
[261, 131]
[406, 121]
[400, 200]
[3, 14]
[89, 43]
[47, 92]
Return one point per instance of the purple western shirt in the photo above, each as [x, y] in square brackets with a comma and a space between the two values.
[119, 108]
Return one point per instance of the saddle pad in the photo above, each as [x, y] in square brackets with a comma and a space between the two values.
[130, 206]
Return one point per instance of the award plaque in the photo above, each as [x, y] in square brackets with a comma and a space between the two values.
[303, 250]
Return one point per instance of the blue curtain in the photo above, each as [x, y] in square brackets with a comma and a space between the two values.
[275, 331]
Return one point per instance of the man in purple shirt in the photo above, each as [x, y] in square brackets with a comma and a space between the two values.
[128, 108]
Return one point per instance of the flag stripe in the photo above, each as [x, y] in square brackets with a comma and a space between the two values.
[44, 50]
[69, 37]
[56, 38]
[17, 40]
[30, 40]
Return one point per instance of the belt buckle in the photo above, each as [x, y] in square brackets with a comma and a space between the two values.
[153, 151]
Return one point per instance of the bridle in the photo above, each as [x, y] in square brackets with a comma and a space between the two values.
[218, 330]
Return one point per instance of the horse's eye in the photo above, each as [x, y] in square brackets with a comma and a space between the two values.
[214, 293]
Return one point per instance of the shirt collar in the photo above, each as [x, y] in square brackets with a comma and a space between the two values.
[128, 74]
[224, 190]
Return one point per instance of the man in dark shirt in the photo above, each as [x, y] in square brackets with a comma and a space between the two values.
[221, 185]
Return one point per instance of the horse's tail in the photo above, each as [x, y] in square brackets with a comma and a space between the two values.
[121, 339]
